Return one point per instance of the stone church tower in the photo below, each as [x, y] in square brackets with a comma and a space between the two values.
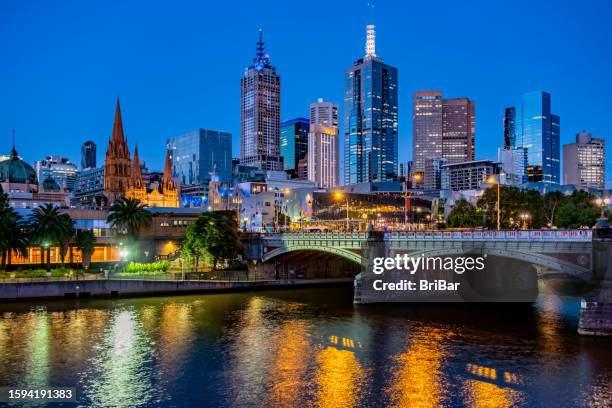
[117, 165]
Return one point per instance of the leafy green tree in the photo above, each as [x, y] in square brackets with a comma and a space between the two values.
[129, 215]
[13, 231]
[579, 211]
[513, 203]
[551, 202]
[463, 215]
[85, 240]
[213, 237]
[50, 227]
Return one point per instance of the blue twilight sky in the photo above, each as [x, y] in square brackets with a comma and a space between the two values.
[177, 65]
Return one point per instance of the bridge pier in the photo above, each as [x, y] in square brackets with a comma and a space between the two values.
[596, 307]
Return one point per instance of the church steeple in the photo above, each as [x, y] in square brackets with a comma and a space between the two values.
[117, 165]
[168, 182]
[137, 181]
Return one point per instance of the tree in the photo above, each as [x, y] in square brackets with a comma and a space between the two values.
[463, 215]
[213, 237]
[130, 215]
[13, 231]
[84, 240]
[50, 227]
[551, 202]
[513, 203]
[578, 211]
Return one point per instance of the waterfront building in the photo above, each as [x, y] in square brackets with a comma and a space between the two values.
[458, 130]
[260, 113]
[472, 175]
[59, 169]
[538, 131]
[195, 154]
[584, 162]
[433, 173]
[88, 155]
[323, 145]
[18, 180]
[294, 143]
[89, 188]
[370, 118]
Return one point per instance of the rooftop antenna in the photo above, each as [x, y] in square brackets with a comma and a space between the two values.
[370, 47]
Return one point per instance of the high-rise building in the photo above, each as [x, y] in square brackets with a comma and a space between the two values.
[88, 155]
[458, 130]
[472, 175]
[294, 143]
[260, 113]
[433, 173]
[323, 145]
[58, 169]
[370, 118]
[513, 162]
[509, 127]
[584, 162]
[89, 187]
[117, 165]
[441, 128]
[199, 153]
[538, 131]
[426, 128]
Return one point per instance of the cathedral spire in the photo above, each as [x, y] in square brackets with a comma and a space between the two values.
[118, 125]
[136, 173]
[168, 182]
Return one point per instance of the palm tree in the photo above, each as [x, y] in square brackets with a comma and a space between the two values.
[84, 240]
[13, 232]
[129, 215]
[50, 227]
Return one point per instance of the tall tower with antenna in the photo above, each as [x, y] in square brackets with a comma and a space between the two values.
[260, 113]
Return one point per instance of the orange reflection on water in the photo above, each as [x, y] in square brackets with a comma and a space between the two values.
[290, 362]
[175, 336]
[338, 377]
[488, 395]
[418, 380]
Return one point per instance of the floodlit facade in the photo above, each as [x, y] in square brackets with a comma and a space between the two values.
[584, 162]
[426, 128]
[260, 113]
[458, 130]
[370, 119]
[323, 145]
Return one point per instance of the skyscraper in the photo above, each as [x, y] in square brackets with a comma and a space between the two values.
[323, 146]
[426, 128]
[538, 131]
[260, 113]
[458, 130]
[584, 162]
[370, 118]
[294, 143]
[509, 127]
[441, 128]
[88, 155]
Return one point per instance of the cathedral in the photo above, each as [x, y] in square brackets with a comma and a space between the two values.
[123, 176]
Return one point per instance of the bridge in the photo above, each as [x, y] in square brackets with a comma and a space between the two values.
[556, 251]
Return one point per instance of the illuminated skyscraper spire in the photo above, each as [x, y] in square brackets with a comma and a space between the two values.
[370, 47]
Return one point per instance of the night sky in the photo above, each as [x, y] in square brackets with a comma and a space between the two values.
[177, 66]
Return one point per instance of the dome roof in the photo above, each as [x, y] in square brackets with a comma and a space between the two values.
[15, 170]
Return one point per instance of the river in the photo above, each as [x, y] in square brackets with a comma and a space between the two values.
[303, 348]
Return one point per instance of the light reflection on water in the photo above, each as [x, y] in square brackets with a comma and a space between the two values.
[307, 348]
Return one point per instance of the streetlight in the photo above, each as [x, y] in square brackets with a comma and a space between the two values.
[339, 195]
[603, 203]
[525, 218]
[493, 180]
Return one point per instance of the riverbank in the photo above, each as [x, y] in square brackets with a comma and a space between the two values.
[138, 288]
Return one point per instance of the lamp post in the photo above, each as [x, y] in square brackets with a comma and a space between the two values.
[339, 195]
[602, 221]
[525, 218]
[493, 180]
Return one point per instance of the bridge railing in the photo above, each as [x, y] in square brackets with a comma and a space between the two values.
[530, 235]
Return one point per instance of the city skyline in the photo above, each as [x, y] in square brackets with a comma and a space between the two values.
[42, 110]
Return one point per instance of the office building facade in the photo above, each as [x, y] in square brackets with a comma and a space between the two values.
[323, 167]
[88, 155]
[370, 118]
[472, 175]
[59, 169]
[538, 131]
[426, 128]
[458, 130]
[294, 143]
[584, 162]
[260, 113]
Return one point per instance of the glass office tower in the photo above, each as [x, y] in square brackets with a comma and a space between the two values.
[294, 143]
[538, 131]
[370, 118]
[197, 154]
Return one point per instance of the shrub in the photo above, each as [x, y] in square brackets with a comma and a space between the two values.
[147, 268]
